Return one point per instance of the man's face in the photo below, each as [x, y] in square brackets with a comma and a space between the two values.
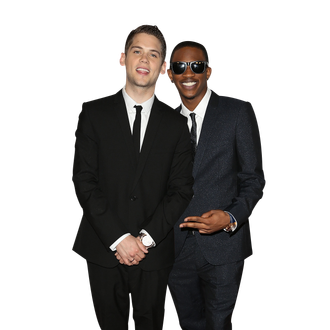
[191, 86]
[143, 61]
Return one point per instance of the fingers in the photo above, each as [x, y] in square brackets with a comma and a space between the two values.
[202, 218]
[141, 246]
[128, 262]
[125, 260]
[119, 258]
[210, 222]
[203, 228]
[194, 222]
[193, 219]
[194, 225]
[207, 214]
[130, 251]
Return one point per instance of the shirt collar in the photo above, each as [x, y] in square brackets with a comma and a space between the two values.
[130, 103]
[201, 107]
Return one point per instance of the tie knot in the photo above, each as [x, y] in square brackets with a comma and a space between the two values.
[192, 115]
[138, 108]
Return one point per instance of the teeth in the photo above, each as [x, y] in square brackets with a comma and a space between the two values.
[189, 83]
[144, 70]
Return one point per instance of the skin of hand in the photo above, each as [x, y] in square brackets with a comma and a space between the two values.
[130, 251]
[210, 222]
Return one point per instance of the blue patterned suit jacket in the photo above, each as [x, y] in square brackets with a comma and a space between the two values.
[228, 175]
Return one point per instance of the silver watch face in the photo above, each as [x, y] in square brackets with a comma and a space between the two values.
[146, 240]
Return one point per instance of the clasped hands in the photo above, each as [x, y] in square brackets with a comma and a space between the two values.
[208, 223]
[130, 251]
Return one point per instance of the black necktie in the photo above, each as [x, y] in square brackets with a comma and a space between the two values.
[137, 130]
[193, 135]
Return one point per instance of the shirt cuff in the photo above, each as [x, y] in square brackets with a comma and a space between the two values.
[233, 223]
[114, 245]
[143, 231]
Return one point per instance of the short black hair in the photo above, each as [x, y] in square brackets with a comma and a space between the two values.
[151, 30]
[192, 44]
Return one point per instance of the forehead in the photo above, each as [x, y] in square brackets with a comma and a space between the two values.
[188, 54]
[147, 41]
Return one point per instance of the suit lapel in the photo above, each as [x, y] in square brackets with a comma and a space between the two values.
[149, 137]
[209, 124]
[121, 113]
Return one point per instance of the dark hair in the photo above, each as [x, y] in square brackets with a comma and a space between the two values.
[151, 30]
[192, 44]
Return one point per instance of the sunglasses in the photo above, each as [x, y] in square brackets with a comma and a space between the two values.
[196, 67]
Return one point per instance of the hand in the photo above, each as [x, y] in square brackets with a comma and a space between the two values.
[130, 251]
[210, 222]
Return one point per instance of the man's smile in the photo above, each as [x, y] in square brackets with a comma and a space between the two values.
[189, 84]
[142, 70]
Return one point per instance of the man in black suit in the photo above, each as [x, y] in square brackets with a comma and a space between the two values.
[132, 175]
[212, 237]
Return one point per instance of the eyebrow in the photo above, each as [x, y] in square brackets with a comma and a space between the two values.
[151, 50]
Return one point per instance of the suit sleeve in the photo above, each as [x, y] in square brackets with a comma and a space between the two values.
[86, 181]
[250, 174]
[179, 190]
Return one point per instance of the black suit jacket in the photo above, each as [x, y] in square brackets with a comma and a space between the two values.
[119, 195]
[228, 176]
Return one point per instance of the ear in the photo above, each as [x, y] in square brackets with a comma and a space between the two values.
[170, 74]
[122, 59]
[163, 68]
[208, 72]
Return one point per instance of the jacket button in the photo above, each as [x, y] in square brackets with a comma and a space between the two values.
[133, 198]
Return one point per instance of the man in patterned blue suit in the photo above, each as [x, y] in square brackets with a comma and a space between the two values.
[212, 237]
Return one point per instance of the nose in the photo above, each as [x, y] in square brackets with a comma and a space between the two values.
[188, 72]
[144, 58]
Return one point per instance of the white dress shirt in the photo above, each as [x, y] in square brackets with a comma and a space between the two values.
[145, 114]
[200, 111]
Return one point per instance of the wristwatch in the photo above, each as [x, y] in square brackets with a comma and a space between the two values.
[147, 241]
[233, 224]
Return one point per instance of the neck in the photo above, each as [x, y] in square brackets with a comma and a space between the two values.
[139, 94]
[192, 103]
[189, 104]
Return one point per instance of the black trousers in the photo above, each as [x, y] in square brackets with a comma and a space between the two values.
[110, 291]
[204, 295]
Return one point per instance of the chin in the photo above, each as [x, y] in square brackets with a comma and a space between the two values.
[188, 97]
[143, 83]
[140, 84]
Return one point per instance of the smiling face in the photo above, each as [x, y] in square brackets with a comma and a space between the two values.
[143, 63]
[191, 86]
